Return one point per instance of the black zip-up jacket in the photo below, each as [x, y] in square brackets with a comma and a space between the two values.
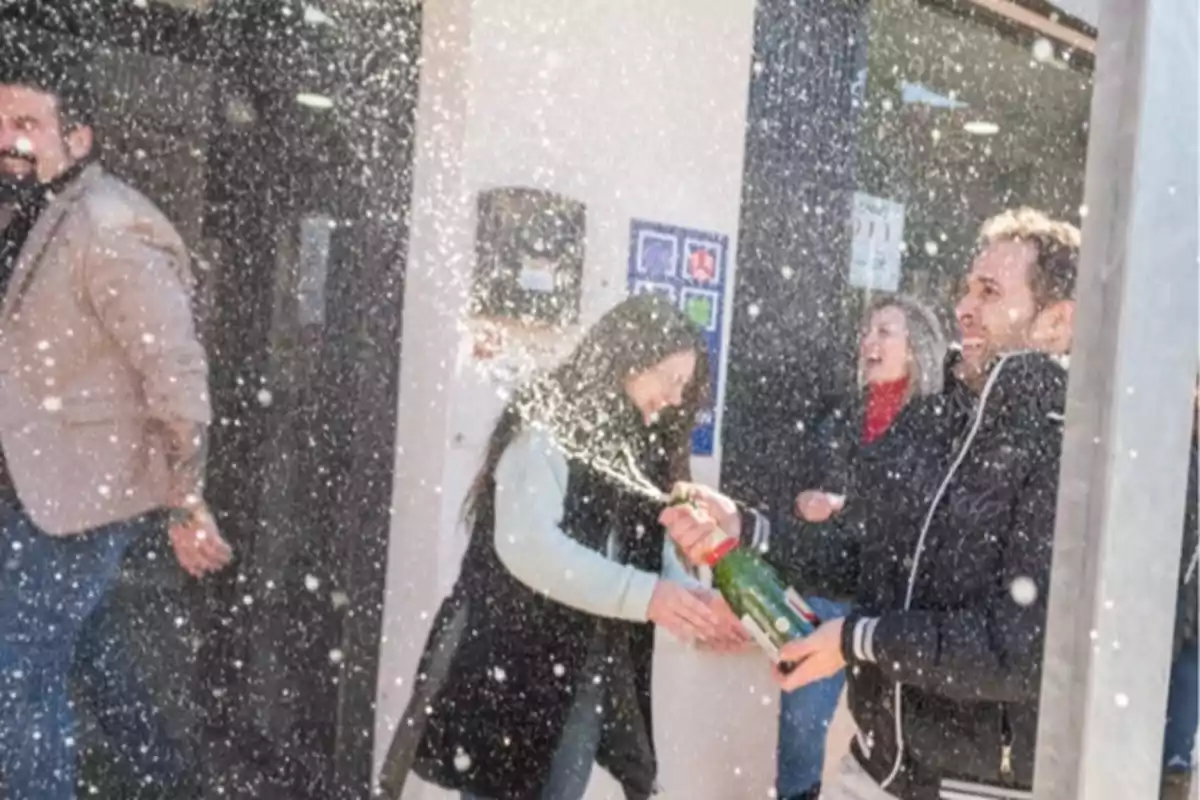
[945, 544]
[1187, 605]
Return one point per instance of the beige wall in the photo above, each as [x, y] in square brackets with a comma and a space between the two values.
[638, 110]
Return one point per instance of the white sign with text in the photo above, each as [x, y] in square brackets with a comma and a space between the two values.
[875, 254]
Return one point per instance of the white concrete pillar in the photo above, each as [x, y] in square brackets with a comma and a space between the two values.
[1120, 505]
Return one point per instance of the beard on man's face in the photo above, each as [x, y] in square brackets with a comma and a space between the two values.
[19, 183]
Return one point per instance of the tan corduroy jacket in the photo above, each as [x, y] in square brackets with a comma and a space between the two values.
[97, 348]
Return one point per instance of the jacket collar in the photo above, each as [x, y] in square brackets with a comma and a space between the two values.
[61, 200]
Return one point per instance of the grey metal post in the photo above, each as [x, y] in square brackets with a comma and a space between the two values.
[1120, 505]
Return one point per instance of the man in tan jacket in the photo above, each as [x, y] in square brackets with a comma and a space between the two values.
[104, 404]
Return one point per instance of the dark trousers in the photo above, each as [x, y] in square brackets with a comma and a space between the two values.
[50, 589]
[571, 768]
[108, 677]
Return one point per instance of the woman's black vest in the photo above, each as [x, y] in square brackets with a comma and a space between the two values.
[502, 664]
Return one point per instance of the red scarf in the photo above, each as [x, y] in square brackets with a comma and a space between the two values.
[884, 401]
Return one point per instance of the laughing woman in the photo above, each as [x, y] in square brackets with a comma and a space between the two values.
[538, 665]
[900, 357]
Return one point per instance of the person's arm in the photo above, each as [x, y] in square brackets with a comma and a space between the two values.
[531, 484]
[138, 286]
[820, 559]
[673, 568]
[811, 558]
[836, 447]
[137, 283]
[992, 652]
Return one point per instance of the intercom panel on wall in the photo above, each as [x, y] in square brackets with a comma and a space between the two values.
[529, 256]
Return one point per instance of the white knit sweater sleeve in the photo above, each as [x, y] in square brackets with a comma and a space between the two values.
[531, 484]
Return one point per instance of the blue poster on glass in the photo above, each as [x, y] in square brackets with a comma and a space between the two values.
[688, 267]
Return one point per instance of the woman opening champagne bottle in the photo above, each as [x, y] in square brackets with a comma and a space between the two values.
[538, 665]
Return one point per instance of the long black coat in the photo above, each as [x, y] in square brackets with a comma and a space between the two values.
[502, 664]
[956, 507]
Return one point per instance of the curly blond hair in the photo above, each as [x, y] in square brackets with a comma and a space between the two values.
[1053, 273]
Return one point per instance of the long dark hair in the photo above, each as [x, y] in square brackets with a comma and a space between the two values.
[583, 405]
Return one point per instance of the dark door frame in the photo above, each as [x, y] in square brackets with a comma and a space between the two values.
[263, 176]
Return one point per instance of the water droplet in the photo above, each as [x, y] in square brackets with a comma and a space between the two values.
[1024, 591]
[1043, 50]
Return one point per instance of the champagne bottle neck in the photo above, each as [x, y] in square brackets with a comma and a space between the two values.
[721, 545]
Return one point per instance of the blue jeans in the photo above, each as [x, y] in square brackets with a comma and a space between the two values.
[1183, 708]
[804, 717]
[109, 678]
[49, 587]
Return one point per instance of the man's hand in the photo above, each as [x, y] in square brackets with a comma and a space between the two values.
[197, 543]
[817, 506]
[692, 526]
[814, 657]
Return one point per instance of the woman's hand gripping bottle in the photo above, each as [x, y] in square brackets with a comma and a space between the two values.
[771, 612]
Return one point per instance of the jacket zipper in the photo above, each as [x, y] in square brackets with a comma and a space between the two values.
[976, 421]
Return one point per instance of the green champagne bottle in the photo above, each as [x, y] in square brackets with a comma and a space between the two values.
[772, 613]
